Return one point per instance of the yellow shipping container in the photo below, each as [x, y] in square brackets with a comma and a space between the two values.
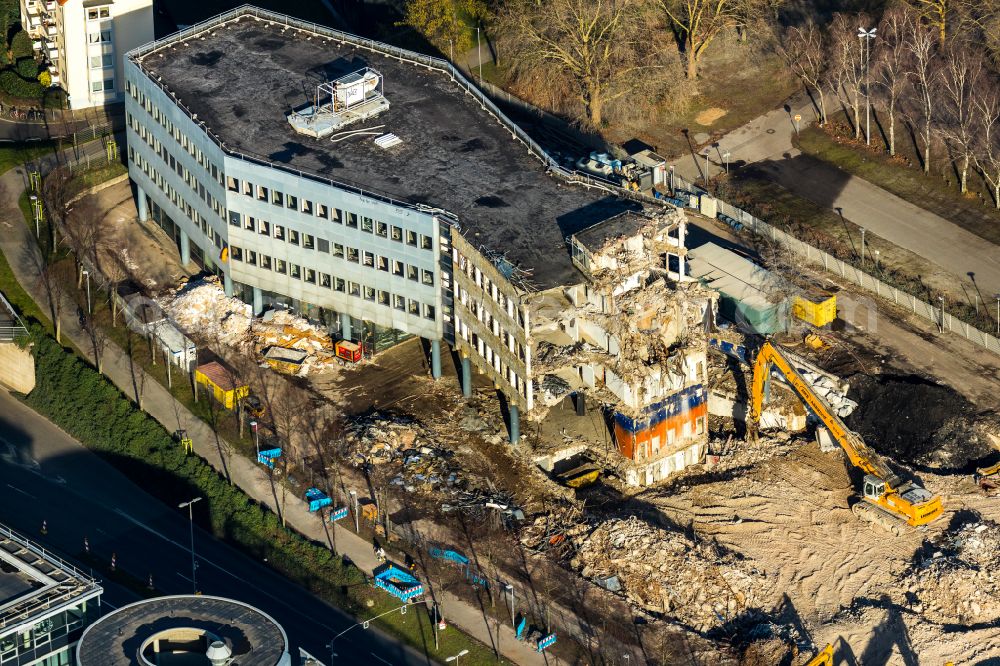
[225, 389]
[817, 314]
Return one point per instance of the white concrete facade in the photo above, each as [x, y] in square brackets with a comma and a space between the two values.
[84, 42]
[285, 233]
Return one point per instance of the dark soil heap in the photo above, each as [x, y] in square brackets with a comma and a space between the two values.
[913, 420]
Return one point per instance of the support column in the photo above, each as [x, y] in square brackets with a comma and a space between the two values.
[515, 424]
[258, 301]
[227, 284]
[141, 205]
[185, 248]
[436, 359]
[466, 376]
[345, 326]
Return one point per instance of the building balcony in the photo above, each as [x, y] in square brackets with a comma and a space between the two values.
[53, 54]
[51, 30]
[50, 5]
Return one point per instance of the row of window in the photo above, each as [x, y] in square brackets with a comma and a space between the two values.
[103, 61]
[182, 140]
[322, 211]
[495, 361]
[490, 289]
[98, 13]
[333, 282]
[353, 255]
[102, 36]
[189, 178]
[106, 85]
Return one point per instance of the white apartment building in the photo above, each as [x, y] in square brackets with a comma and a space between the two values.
[84, 41]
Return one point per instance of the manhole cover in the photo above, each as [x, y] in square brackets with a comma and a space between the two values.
[770, 131]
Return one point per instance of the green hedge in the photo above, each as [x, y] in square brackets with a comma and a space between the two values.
[68, 388]
[12, 84]
[27, 68]
[20, 45]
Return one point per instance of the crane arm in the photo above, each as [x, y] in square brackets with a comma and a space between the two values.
[859, 453]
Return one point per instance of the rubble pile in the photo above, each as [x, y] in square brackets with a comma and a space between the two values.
[403, 448]
[960, 583]
[933, 425]
[826, 388]
[664, 571]
[201, 307]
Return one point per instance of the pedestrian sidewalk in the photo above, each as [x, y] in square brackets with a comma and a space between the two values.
[21, 250]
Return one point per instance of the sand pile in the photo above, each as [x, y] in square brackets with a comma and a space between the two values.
[960, 582]
[665, 571]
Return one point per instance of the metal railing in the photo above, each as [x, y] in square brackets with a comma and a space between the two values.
[18, 329]
[936, 315]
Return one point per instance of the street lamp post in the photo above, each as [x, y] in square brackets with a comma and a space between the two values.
[862, 248]
[510, 588]
[725, 158]
[34, 212]
[454, 658]
[86, 275]
[479, 54]
[256, 436]
[354, 500]
[194, 565]
[866, 36]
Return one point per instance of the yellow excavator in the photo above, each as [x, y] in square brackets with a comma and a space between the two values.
[888, 501]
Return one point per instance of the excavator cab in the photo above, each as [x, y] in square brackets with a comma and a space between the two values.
[874, 487]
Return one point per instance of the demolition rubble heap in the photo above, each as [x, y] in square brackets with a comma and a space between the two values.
[404, 447]
[960, 582]
[661, 571]
[201, 307]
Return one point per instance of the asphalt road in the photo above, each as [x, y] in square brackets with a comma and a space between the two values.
[47, 475]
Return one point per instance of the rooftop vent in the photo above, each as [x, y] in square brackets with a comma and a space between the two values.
[219, 654]
[345, 101]
[388, 141]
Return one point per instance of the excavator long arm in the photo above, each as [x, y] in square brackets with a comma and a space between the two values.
[859, 453]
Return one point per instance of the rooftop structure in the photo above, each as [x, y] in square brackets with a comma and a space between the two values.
[43, 601]
[185, 629]
[242, 79]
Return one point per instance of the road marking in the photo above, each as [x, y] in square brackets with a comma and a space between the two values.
[381, 659]
[21, 491]
[225, 571]
[108, 603]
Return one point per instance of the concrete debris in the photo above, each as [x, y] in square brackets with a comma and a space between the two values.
[403, 450]
[659, 570]
[201, 307]
[960, 582]
[834, 394]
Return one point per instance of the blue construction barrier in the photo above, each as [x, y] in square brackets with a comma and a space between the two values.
[449, 555]
[398, 582]
[268, 457]
[738, 352]
[317, 499]
[521, 626]
[337, 514]
[734, 223]
[546, 642]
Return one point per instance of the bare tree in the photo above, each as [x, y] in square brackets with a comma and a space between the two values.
[697, 23]
[987, 154]
[923, 75]
[597, 49]
[961, 76]
[847, 64]
[56, 194]
[804, 48]
[890, 64]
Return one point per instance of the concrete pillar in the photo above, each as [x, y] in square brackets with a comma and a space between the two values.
[258, 301]
[515, 424]
[141, 205]
[466, 377]
[345, 326]
[185, 248]
[227, 284]
[436, 359]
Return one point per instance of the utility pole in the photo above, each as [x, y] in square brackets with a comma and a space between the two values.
[86, 275]
[862, 248]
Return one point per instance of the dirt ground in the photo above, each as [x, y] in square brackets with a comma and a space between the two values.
[142, 250]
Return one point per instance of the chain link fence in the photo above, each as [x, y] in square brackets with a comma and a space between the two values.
[740, 219]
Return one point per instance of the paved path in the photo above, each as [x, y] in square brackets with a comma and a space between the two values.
[18, 245]
[767, 142]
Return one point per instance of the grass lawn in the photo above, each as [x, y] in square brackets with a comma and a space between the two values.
[12, 155]
[18, 297]
[936, 192]
[98, 175]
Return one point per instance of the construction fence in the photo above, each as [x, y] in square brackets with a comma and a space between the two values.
[934, 314]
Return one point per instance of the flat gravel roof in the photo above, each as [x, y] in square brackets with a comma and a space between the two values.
[243, 78]
[115, 639]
